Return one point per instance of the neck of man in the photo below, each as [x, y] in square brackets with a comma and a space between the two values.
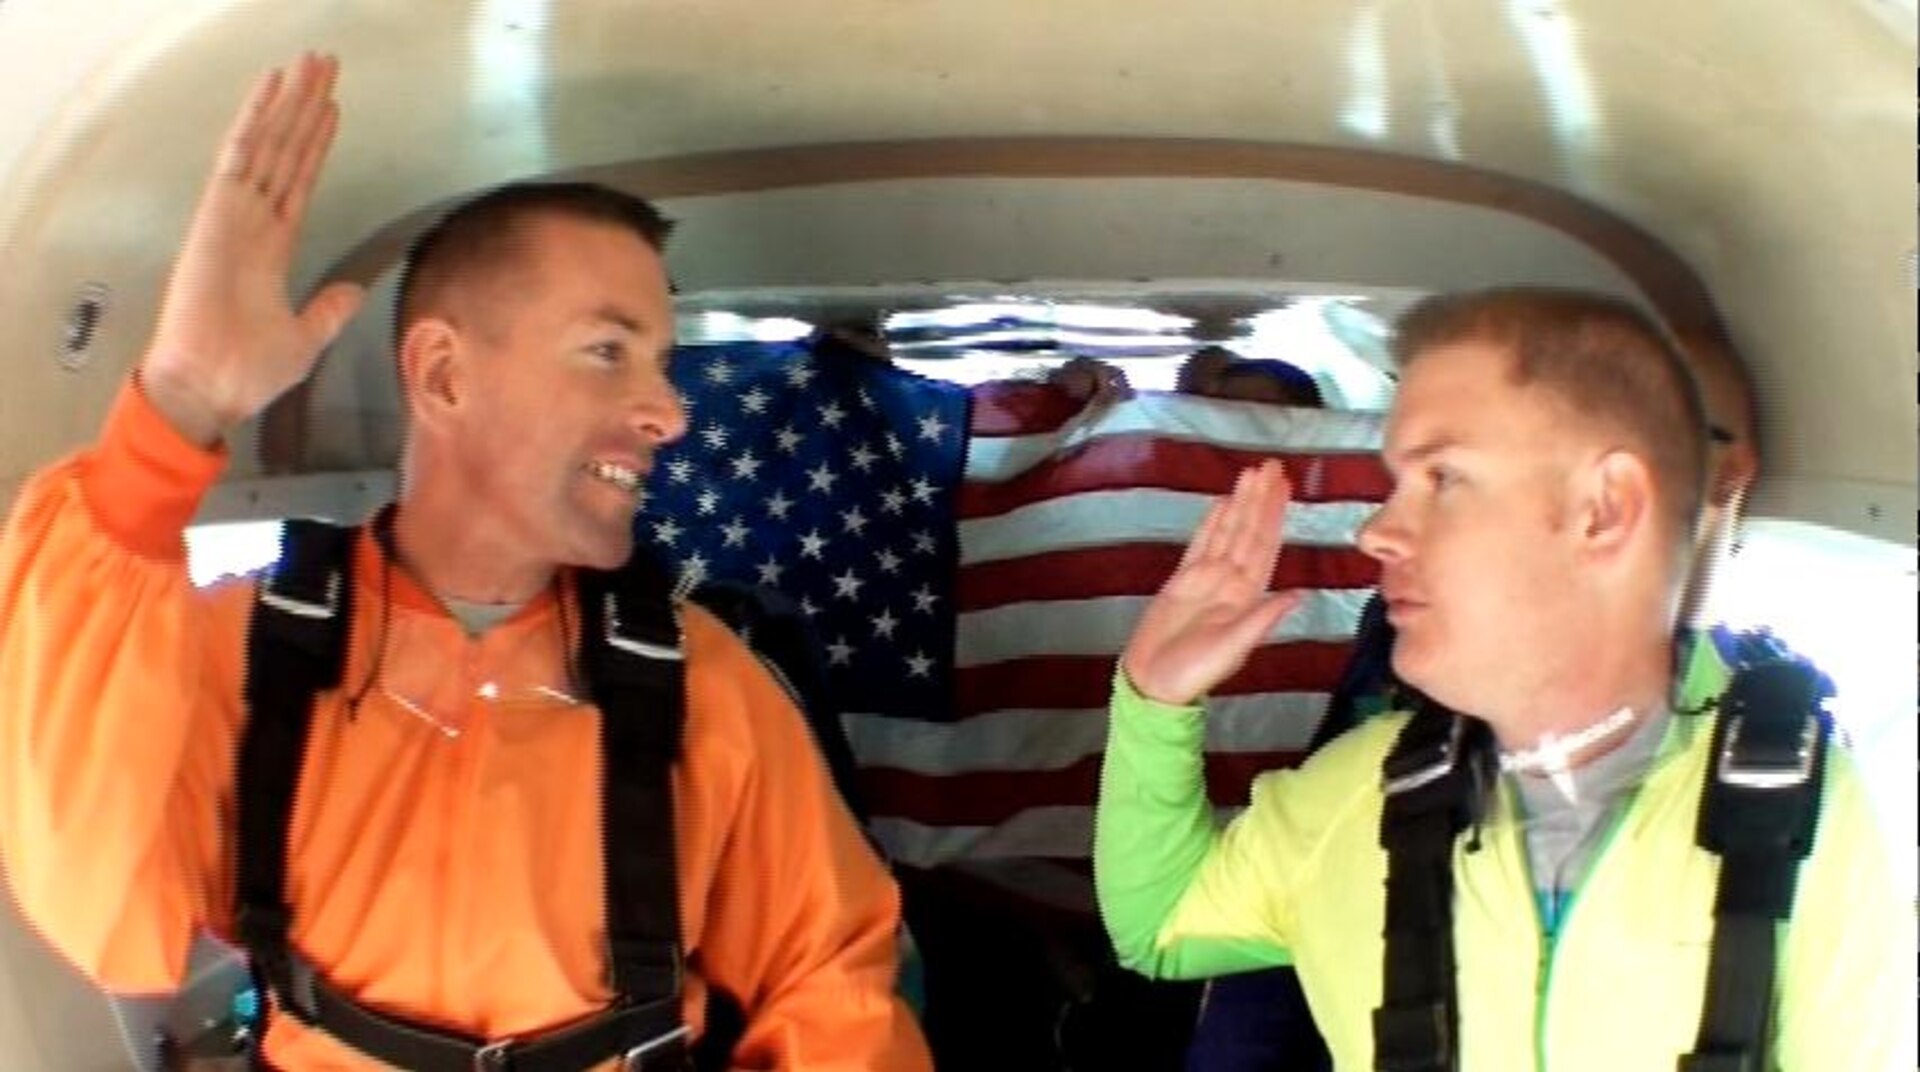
[1586, 693]
[457, 556]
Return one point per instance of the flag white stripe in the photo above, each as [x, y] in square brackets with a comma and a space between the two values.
[1254, 426]
[1044, 740]
[1097, 519]
[1101, 626]
[1064, 832]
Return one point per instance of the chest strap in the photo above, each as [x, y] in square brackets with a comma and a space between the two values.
[630, 654]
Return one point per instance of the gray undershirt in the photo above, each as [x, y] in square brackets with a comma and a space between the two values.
[477, 618]
[1564, 835]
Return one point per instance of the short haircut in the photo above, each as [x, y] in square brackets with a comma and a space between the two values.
[1212, 368]
[1599, 355]
[1295, 382]
[483, 234]
[1721, 371]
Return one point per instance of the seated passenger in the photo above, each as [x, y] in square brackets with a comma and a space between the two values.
[1550, 451]
[1253, 1021]
[494, 806]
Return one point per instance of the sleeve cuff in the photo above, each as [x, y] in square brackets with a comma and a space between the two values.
[143, 480]
[1139, 717]
[1125, 694]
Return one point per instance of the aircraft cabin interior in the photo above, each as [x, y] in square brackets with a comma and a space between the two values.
[996, 193]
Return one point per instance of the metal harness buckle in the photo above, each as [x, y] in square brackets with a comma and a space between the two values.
[301, 608]
[494, 1056]
[634, 1060]
[303, 982]
[1767, 776]
[1432, 772]
[646, 649]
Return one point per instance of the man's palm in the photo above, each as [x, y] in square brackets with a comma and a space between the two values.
[1215, 609]
[228, 340]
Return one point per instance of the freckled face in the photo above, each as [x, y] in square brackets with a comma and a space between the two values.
[1476, 557]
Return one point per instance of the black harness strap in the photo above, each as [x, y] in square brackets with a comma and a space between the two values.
[630, 653]
[645, 1036]
[1758, 812]
[296, 649]
[1432, 783]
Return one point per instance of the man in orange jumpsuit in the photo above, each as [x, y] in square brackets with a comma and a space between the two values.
[444, 861]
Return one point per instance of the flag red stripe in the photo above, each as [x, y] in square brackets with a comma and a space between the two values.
[1077, 682]
[1138, 569]
[988, 798]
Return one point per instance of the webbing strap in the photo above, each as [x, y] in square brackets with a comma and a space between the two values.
[648, 1036]
[296, 649]
[631, 654]
[1428, 779]
[1758, 812]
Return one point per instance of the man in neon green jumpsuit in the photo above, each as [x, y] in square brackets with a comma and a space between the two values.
[1549, 453]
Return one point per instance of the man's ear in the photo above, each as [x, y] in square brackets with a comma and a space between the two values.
[431, 369]
[1617, 502]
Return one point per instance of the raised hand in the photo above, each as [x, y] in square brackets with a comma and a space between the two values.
[228, 340]
[1215, 609]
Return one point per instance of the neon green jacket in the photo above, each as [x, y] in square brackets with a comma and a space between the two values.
[1620, 986]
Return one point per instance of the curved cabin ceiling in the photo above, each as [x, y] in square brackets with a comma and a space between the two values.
[1754, 158]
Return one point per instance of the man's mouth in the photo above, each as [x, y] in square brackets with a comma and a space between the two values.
[625, 478]
[1400, 608]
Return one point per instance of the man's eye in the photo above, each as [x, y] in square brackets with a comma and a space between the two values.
[608, 351]
[1441, 478]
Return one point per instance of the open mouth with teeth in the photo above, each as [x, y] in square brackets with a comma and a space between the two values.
[627, 480]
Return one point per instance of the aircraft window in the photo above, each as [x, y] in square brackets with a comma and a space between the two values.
[231, 548]
[1846, 602]
[721, 326]
[969, 341]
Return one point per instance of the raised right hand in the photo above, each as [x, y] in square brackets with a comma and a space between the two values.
[228, 341]
[1215, 609]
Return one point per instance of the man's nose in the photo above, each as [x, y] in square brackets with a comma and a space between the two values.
[659, 413]
[1383, 537]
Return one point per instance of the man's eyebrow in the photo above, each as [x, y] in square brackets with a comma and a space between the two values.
[611, 314]
[1420, 452]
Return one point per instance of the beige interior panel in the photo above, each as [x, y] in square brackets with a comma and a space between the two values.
[1768, 144]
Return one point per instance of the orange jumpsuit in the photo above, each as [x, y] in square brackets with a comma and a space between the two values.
[445, 863]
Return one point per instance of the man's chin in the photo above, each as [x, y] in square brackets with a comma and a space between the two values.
[602, 551]
[1416, 669]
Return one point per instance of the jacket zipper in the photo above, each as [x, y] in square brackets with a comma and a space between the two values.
[1563, 915]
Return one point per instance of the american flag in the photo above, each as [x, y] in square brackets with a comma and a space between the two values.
[978, 559]
[828, 476]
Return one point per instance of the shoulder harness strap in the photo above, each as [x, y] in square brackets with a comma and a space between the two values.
[296, 649]
[1433, 781]
[630, 652]
[1759, 808]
